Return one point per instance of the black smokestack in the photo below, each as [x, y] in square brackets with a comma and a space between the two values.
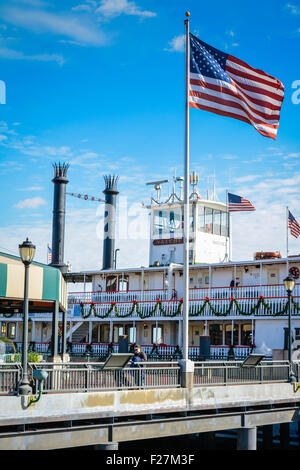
[59, 210]
[111, 193]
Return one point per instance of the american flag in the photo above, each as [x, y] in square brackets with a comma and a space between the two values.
[238, 203]
[223, 84]
[49, 254]
[294, 226]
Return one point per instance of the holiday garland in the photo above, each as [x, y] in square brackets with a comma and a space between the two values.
[146, 313]
[195, 310]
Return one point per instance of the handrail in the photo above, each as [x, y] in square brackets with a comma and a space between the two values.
[178, 300]
[191, 288]
[117, 291]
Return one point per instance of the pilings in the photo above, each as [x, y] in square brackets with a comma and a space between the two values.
[247, 438]
[107, 446]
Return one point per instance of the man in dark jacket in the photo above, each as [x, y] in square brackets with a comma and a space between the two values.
[137, 361]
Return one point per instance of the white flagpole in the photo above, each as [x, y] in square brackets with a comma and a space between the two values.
[287, 240]
[229, 227]
[185, 342]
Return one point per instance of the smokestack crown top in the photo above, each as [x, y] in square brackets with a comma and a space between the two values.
[111, 184]
[60, 172]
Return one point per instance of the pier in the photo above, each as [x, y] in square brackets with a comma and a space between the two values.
[83, 404]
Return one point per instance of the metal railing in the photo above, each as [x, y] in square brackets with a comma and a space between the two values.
[228, 373]
[87, 377]
[84, 377]
[10, 376]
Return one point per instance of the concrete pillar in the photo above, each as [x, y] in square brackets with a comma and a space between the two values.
[246, 439]
[187, 373]
[210, 440]
[284, 435]
[267, 437]
[107, 446]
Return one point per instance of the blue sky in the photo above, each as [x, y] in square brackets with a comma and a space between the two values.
[100, 84]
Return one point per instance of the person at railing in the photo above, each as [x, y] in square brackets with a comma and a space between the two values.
[137, 362]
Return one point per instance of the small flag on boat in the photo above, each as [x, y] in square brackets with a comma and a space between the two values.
[225, 85]
[49, 254]
[238, 203]
[293, 226]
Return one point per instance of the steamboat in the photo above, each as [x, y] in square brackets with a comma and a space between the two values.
[235, 308]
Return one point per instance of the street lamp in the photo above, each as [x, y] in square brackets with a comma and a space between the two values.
[27, 250]
[289, 284]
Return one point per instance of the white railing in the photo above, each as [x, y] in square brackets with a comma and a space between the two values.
[219, 298]
[243, 292]
[119, 296]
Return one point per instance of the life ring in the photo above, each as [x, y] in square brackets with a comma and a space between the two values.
[267, 255]
[294, 272]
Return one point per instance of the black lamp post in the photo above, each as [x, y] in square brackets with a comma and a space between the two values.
[27, 250]
[289, 284]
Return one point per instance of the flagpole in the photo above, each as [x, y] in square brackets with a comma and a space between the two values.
[229, 228]
[185, 342]
[287, 240]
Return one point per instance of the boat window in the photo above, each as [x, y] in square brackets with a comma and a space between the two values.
[217, 222]
[104, 333]
[201, 219]
[208, 220]
[111, 283]
[157, 334]
[231, 337]
[11, 330]
[3, 328]
[216, 334]
[123, 283]
[176, 220]
[224, 224]
[246, 334]
[118, 331]
[132, 334]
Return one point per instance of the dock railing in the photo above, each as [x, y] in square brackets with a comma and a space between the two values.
[84, 377]
[229, 373]
[87, 377]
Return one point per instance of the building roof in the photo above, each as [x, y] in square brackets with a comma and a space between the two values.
[46, 284]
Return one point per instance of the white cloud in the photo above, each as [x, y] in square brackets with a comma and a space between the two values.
[177, 44]
[113, 8]
[6, 53]
[32, 188]
[66, 25]
[31, 203]
[294, 9]
[245, 179]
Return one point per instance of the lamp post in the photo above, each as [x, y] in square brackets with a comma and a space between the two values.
[289, 284]
[27, 250]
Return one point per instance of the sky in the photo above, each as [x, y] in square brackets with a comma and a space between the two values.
[100, 84]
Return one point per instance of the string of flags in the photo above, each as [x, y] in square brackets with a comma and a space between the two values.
[86, 197]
